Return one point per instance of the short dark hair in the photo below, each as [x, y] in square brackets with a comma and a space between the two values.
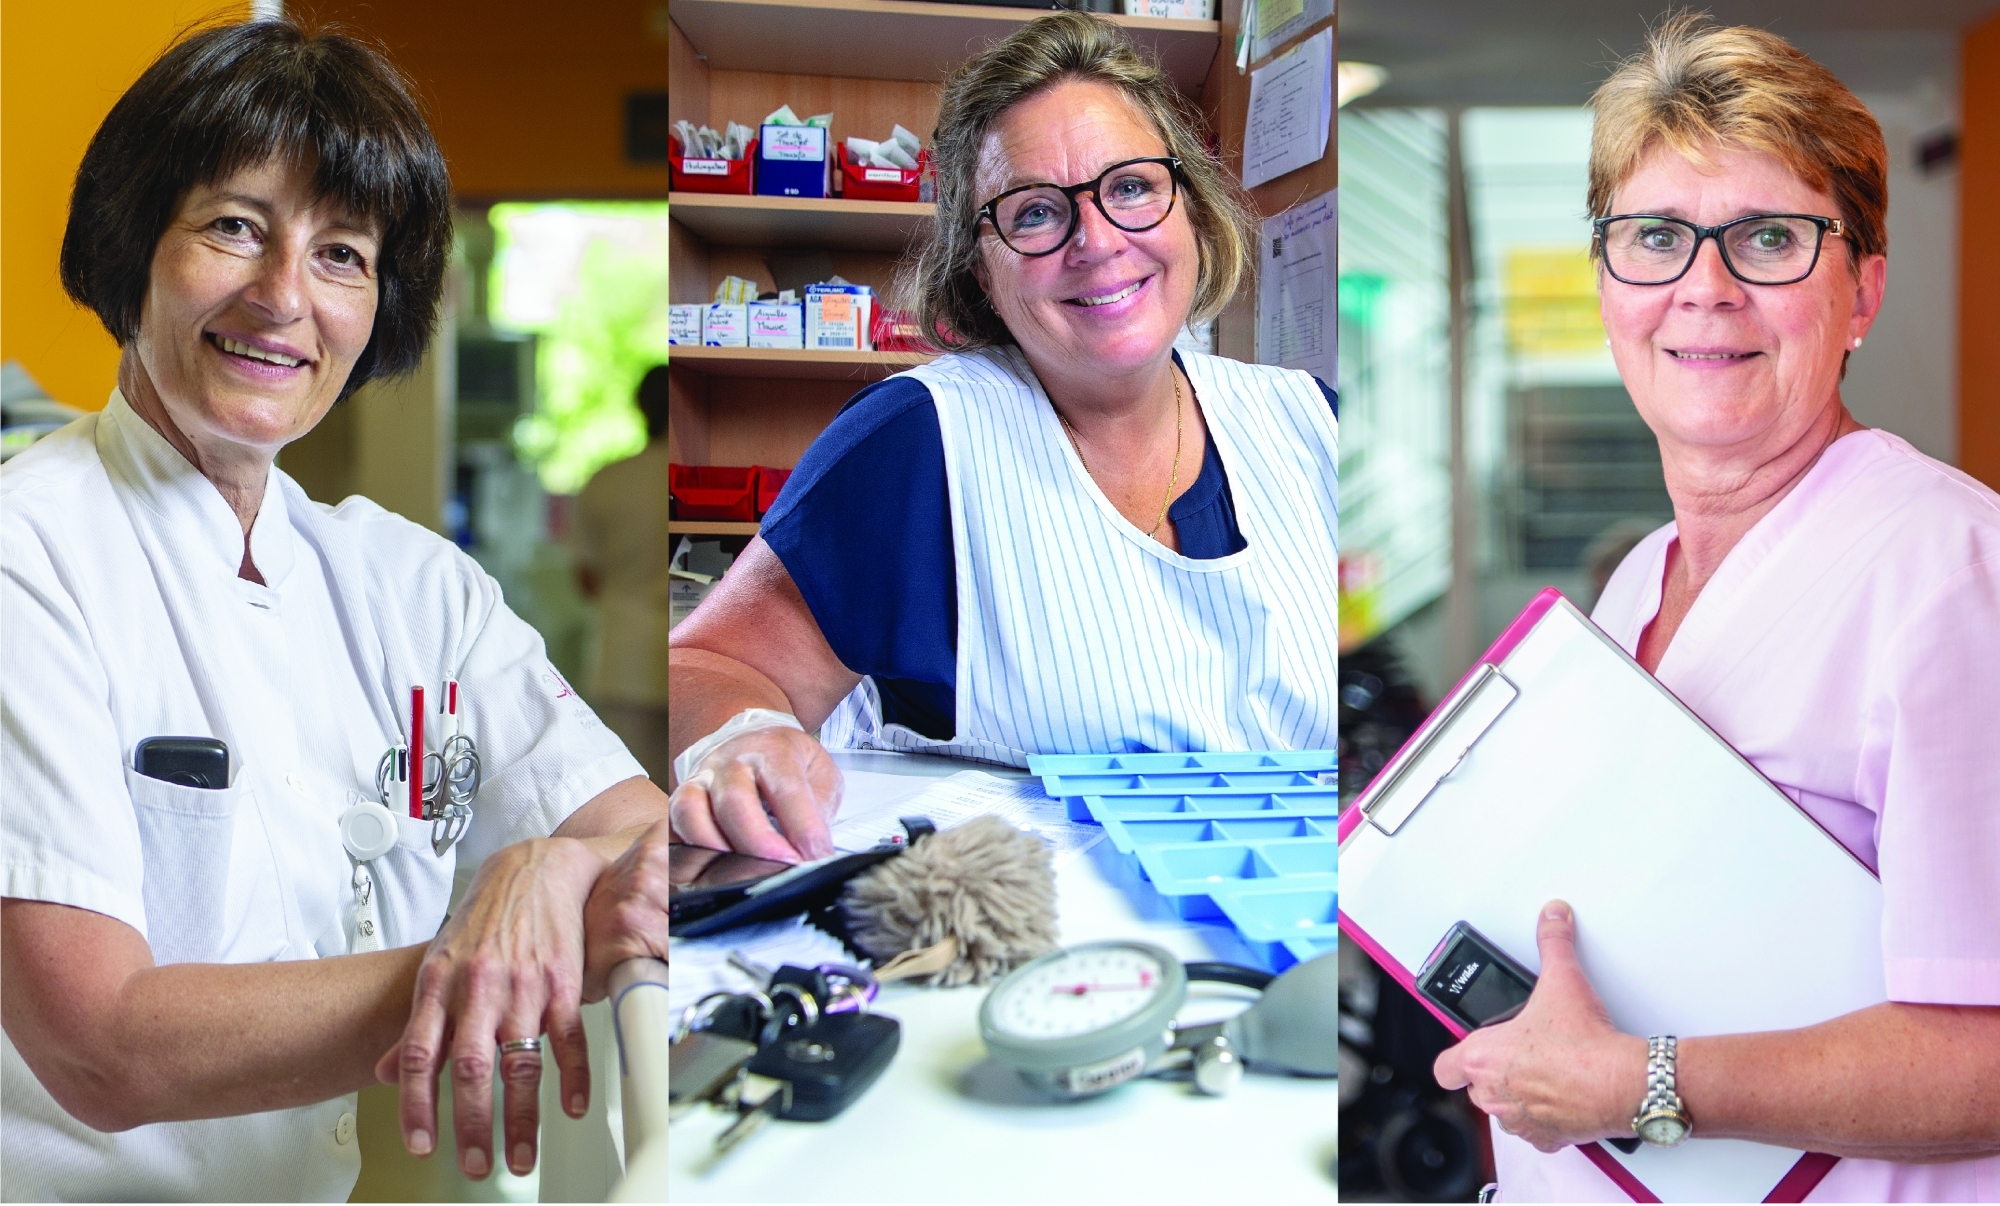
[234, 97]
[653, 401]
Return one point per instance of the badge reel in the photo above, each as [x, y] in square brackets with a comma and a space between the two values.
[1089, 1018]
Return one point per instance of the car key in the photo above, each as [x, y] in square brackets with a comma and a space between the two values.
[829, 1063]
[700, 1065]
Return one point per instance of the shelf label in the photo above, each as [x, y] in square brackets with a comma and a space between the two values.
[705, 167]
[801, 144]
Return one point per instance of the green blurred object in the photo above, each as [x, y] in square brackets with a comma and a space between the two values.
[590, 279]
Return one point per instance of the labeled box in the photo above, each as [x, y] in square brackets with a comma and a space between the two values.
[725, 325]
[792, 161]
[684, 326]
[692, 174]
[837, 317]
[777, 325]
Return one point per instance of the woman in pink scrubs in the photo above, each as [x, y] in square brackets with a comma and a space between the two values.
[1827, 599]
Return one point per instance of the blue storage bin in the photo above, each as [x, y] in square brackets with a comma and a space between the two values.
[793, 161]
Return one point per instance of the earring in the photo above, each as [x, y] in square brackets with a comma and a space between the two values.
[1857, 341]
[1607, 341]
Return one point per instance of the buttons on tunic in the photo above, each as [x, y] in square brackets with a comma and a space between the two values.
[343, 1131]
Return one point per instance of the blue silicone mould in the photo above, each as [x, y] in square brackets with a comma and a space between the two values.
[1248, 838]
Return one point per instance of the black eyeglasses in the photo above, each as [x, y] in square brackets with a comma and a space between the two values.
[1038, 219]
[1761, 249]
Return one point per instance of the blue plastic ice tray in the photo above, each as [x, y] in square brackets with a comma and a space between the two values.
[1129, 834]
[1251, 838]
[1279, 924]
[1189, 874]
[1073, 778]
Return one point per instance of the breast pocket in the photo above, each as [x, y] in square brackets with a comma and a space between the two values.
[414, 883]
[210, 884]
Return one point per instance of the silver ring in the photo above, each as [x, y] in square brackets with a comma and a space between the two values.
[525, 1044]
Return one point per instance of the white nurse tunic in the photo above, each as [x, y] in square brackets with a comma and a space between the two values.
[125, 619]
[1077, 632]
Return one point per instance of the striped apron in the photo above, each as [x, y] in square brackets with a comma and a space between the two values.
[1077, 633]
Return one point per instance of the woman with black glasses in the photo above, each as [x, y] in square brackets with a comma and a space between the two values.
[1827, 599]
[1060, 536]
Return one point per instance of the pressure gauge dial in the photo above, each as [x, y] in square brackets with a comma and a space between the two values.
[1084, 1019]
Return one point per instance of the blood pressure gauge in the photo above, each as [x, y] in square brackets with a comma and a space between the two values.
[1082, 1020]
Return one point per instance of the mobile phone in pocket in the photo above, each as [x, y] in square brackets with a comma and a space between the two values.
[189, 761]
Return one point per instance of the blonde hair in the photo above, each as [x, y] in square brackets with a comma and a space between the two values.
[939, 284]
[1697, 85]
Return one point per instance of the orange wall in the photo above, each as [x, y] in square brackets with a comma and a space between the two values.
[62, 66]
[1979, 257]
[527, 97]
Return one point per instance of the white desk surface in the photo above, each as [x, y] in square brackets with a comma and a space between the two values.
[947, 1124]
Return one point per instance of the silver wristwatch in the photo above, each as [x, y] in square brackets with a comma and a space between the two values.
[1662, 1119]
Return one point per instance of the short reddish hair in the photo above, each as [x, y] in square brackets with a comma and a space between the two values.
[1697, 84]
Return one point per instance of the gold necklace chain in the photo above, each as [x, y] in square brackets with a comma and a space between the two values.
[1173, 478]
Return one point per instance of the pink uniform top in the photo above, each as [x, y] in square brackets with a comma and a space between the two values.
[1849, 647]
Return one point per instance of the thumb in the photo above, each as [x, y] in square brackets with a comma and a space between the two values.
[1555, 938]
[1449, 1068]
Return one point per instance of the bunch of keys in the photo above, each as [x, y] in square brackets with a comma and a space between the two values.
[803, 1048]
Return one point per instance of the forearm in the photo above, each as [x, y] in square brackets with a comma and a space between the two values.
[212, 1040]
[707, 688]
[1911, 1083]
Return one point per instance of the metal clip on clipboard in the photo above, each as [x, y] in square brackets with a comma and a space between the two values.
[1416, 770]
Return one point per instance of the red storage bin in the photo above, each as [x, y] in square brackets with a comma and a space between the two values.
[713, 491]
[734, 177]
[860, 182]
[895, 331]
[769, 482]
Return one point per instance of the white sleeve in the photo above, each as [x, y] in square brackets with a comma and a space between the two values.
[67, 828]
[543, 752]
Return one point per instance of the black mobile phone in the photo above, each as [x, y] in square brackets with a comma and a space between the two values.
[1472, 980]
[701, 881]
[188, 761]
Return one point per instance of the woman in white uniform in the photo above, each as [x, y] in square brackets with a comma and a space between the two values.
[197, 980]
[1059, 536]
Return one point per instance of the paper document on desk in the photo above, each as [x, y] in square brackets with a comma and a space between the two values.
[968, 794]
[1291, 111]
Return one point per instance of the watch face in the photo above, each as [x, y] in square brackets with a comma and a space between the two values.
[1662, 1130]
[1076, 993]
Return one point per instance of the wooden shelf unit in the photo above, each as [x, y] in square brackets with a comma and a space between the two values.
[710, 527]
[900, 39]
[726, 221]
[872, 64]
[795, 363]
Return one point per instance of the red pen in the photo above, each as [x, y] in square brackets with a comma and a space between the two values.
[417, 753]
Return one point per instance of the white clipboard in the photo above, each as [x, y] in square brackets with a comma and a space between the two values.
[1707, 902]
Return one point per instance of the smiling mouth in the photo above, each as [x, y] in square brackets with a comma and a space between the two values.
[236, 348]
[1711, 355]
[1105, 299]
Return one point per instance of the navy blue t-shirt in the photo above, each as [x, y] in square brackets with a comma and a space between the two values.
[864, 529]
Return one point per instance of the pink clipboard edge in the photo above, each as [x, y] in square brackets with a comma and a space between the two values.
[1800, 1180]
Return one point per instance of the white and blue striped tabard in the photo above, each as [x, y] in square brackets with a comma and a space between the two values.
[1078, 633]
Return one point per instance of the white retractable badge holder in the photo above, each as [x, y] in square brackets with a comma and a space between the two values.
[368, 831]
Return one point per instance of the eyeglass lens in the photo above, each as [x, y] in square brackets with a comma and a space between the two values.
[1761, 250]
[1133, 196]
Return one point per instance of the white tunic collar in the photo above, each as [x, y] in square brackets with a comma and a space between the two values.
[139, 459]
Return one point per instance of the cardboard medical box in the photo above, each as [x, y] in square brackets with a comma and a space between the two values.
[837, 317]
[725, 325]
[684, 326]
[777, 324]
